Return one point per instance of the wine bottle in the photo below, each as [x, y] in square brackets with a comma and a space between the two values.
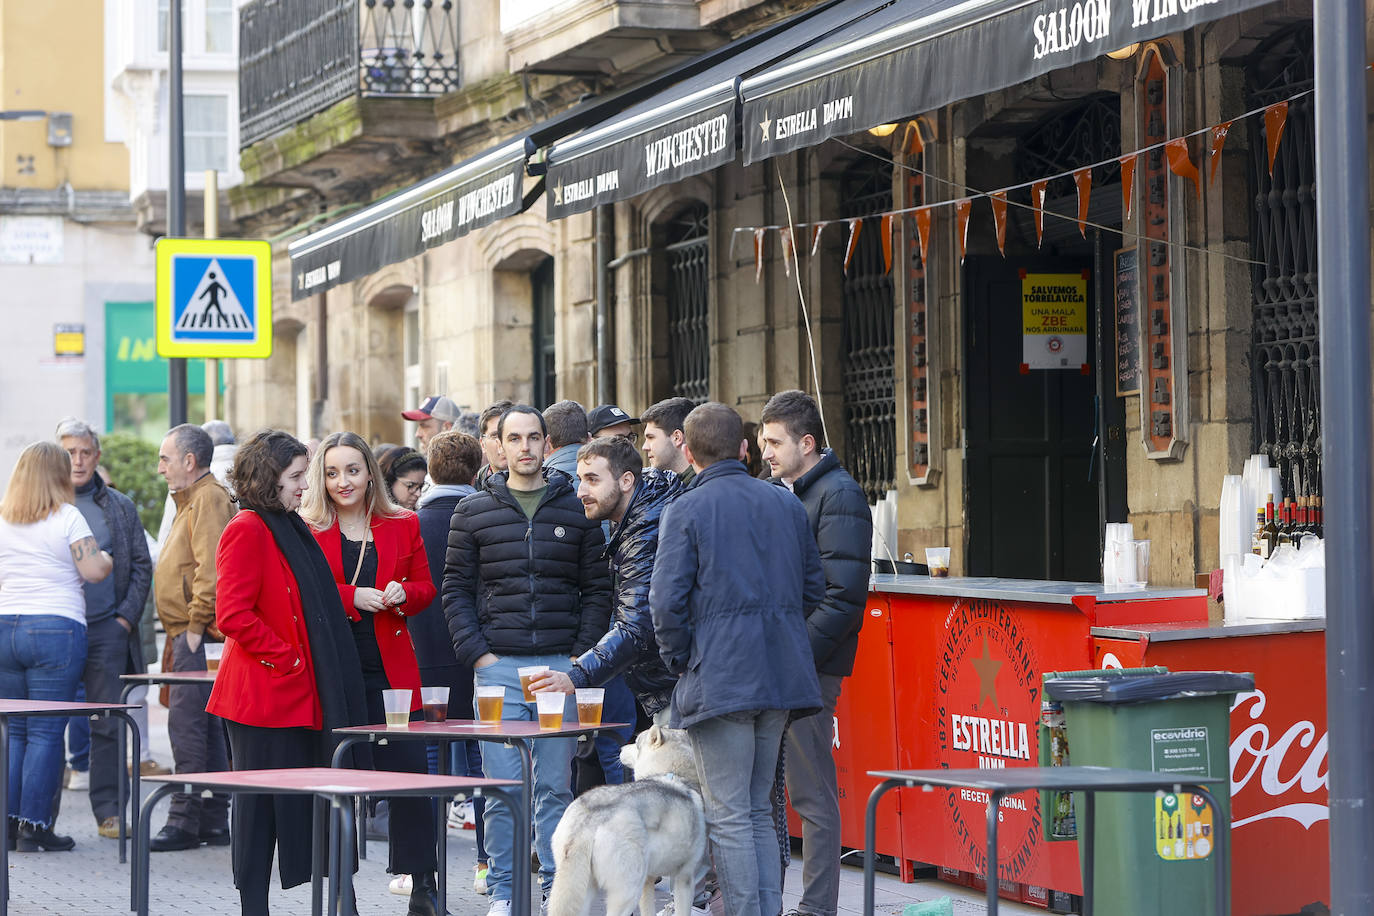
[1285, 524]
[1270, 535]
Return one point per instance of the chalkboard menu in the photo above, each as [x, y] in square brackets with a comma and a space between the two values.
[1127, 322]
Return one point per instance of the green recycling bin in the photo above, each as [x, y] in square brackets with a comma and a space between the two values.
[1153, 855]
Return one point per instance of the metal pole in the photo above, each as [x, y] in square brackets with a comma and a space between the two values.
[605, 360]
[176, 194]
[1344, 309]
[211, 210]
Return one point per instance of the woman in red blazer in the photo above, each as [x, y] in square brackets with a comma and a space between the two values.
[378, 562]
[290, 672]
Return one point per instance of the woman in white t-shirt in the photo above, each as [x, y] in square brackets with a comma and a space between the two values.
[46, 551]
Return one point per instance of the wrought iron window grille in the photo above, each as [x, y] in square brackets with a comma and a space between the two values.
[687, 258]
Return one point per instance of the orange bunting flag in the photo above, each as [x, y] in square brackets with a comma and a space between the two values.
[887, 243]
[999, 219]
[1181, 164]
[758, 253]
[788, 252]
[855, 226]
[1038, 203]
[915, 144]
[816, 238]
[1218, 140]
[961, 208]
[923, 230]
[1275, 117]
[1127, 164]
[1084, 179]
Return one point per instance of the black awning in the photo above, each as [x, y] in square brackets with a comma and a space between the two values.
[451, 204]
[919, 55]
[684, 130]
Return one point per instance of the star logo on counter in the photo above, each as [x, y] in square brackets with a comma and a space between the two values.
[986, 667]
[764, 125]
[558, 194]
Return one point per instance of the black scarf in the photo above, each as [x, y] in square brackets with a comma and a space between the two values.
[338, 673]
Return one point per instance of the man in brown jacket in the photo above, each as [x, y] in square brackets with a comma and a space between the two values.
[184, 587]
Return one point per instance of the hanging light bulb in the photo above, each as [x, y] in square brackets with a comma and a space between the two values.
[882, 130]
[1125, 53]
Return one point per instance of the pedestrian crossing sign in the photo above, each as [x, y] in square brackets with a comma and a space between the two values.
[214, 298]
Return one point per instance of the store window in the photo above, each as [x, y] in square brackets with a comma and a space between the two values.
[1284, 360]
[206, 120]
[686, 255]
[869, 349]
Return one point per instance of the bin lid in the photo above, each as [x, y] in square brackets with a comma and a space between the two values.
[1120, 687]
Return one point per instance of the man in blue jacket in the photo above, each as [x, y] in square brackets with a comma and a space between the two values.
[736, 576]
[837, 511]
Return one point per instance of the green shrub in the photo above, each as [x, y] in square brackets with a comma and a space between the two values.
[132, 464]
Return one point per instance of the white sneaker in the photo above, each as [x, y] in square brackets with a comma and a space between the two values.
[401, 885]
[461, 816]
[499, 908]
[79, 781]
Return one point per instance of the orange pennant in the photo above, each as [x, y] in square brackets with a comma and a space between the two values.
[999, 219]
[923, 230]
[1127, 164]
[1084, 179]
[1275, 117]
[1038, 203]
[1218, 140]
[887, 242]
[855, 225]
[816, 238]
[1181, 164]
[788, 252]
[961, 208]
[915, 144]
[758, 253]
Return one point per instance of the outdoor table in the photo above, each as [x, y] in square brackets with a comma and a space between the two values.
[519, 733]
[327, 784]
[53, 708]
[1011, 780]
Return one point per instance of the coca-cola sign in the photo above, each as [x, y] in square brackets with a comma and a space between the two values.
[1283, 763]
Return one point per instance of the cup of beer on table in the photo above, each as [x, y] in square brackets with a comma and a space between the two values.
[435, 703]
[937, 559]
[397, 706]
[527, 674]
[589, 700]
[491, 700]
[550, 703]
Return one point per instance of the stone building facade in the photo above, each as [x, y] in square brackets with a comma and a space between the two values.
[906, 361]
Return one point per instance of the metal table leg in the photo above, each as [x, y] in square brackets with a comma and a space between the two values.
[134, 776]
[318, 828]
[994, 808]
[520, 862]
[142, 840]
[520, 890]
[1221, 836]
[1089, 849]
[343, 805]
[336, 842]
[871, 839]
[5, 809]
[441, 869]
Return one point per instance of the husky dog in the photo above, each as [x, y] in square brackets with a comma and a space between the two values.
[618, 839]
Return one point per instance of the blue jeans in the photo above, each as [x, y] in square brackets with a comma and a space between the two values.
[79, 735]
[737, 759]
[552, 775]
[41, 658]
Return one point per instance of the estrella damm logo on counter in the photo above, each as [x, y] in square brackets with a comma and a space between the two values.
[988, 703]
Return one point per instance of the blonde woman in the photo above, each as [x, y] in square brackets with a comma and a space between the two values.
[46, 552]
[377, 556]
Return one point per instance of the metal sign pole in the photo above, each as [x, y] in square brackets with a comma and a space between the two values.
[211, 204]
[1344, 310]
[176, 195]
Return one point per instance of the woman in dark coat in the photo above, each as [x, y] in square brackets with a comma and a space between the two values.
[290, 672]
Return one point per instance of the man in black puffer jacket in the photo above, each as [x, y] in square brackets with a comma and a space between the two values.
[525, 542]
[613, 485]
[794, 440]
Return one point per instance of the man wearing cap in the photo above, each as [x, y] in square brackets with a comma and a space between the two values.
[435, 415]
[610, 420]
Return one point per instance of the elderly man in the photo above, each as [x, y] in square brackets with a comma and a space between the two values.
[436, 415]
[184, 586]
[113, 608]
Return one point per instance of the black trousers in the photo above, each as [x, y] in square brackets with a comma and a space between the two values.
[198, 746]
[412, 829]
[264, 822]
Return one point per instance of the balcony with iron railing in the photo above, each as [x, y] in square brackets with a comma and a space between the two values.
[300, 57]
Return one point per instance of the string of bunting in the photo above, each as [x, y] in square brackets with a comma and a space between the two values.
[1176, 153]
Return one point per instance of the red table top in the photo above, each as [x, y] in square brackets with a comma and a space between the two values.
[331, 781]
[172, 677]
[56, 707]
[468, 728]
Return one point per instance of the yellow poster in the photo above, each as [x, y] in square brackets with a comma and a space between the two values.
[1054, 321]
